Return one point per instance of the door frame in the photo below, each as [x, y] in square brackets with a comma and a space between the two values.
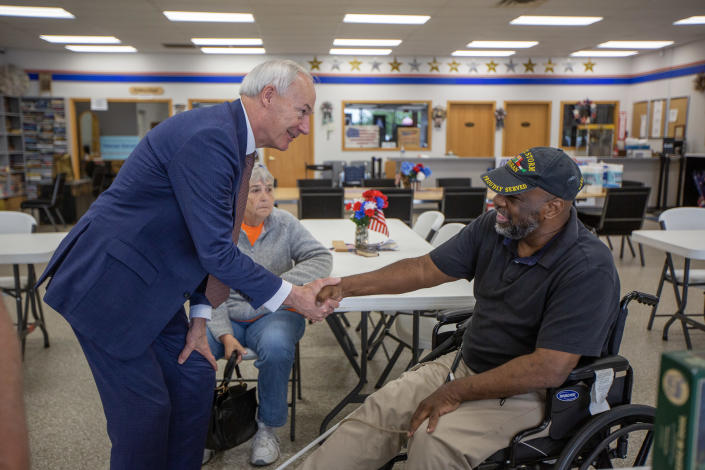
[548, 120]
[452, 102]
[72, 119]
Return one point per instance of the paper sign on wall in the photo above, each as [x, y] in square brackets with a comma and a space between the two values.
[642, 126]
[99, 104]
[656, 124]
[673, 115]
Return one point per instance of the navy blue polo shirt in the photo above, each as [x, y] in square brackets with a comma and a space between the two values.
[564, 297]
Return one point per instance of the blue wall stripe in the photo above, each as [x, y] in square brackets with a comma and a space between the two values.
[389, 80]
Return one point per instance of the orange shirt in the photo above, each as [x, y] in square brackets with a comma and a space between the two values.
[252, 233]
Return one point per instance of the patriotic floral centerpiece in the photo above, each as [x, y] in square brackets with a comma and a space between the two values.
[413, 173]
[367, 213]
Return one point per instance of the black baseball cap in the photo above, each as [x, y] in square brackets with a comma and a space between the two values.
[548, 168]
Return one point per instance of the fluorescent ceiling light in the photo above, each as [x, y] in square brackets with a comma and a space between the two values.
[691, 20]
[76, 48]
[35, 12]
[367, 42]
[209, 16]
[338, 51]
[634, 44]
[80, 39]
[227, 41]
[603, 53]
[478, 53]
[503, 44]
[233, 50]
[386, 19]
[555, 20]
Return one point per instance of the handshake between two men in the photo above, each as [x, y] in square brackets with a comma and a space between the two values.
[314, 300]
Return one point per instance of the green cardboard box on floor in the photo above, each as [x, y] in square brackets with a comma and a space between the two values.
[679, 430]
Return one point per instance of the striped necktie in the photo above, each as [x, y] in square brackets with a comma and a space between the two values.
[216, 291]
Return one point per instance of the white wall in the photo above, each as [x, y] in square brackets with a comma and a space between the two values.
[328, 144]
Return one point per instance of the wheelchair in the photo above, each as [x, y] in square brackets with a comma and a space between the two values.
[619, 437]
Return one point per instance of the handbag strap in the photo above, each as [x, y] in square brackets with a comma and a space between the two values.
[228, 372]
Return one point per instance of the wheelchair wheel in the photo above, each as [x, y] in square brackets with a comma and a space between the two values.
[619, 438]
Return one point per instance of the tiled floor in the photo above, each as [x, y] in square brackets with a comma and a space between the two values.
[67, 426]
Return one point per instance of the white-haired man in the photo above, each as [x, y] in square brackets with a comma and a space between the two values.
[160, 235]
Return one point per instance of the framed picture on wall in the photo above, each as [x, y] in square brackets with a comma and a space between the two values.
[679, 132]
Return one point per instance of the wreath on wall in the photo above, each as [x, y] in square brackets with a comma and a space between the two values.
[700, 82]
[584, 112]
[499, 115]
[438, 116]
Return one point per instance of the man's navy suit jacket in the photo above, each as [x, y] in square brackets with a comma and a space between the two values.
[146, 244]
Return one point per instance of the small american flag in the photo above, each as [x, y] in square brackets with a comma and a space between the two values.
[378, 223]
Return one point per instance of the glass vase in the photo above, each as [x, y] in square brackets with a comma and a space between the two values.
[361, 236]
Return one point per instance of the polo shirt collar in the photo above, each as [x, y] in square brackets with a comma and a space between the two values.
[556, 246]
[250, 147]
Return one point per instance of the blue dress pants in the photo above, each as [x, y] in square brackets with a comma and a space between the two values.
[273, 337]
[157, 411]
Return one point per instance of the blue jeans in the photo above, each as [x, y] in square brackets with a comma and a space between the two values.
[273, 337]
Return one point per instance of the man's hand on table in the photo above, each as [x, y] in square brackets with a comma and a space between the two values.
[304, 300]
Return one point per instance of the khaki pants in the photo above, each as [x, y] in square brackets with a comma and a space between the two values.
[462, 439]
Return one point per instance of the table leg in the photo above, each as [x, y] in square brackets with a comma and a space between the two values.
[344, 340]
[354, 396]
[18, 301]
[33, 296]
[683, 299]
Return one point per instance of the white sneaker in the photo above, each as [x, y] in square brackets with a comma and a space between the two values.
[207, 456]
[265, 446]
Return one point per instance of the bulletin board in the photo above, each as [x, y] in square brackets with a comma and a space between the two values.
[657, 116]
[640, 111]
[677, 114]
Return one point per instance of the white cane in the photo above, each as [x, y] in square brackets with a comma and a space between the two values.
[310, 445]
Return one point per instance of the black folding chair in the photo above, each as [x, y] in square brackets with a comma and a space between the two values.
[622, 213]
[401, 201]
[453, 182]
[378, 183]
[47, 205]
[321, 203]
[463, 204]
[315, 183]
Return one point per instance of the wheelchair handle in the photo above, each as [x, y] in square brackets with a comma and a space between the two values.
[640, 297]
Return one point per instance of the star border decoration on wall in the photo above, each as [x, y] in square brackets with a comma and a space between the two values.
[510, 66]
[491, 66]
[415, 65]
[529, 66]
[375, 66]
[355, 64]
[434, 65]
[395, 65]
[548, 67]
[568, 67]
[315, 63]
[453, 66]
[589, 65]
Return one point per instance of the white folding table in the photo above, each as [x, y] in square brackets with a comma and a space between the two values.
[28, 248]
[687, 243]
[456, 294]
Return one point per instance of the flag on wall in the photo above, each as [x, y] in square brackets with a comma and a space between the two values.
[378, 223]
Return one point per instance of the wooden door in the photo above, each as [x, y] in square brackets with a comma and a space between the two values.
[528, 124]
[470, 128]
[640, 111]
[290, 165]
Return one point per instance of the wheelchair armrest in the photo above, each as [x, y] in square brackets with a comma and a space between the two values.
[587, 371]
[453, 316]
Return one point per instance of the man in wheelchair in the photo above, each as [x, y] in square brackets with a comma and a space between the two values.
[547, 295]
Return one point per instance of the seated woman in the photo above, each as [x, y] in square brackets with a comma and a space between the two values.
[276, 240]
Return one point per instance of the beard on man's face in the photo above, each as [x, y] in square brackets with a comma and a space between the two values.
[518, 230]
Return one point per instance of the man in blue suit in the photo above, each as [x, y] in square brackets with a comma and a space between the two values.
[150, 242]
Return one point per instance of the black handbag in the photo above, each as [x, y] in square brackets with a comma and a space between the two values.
[233, 413]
